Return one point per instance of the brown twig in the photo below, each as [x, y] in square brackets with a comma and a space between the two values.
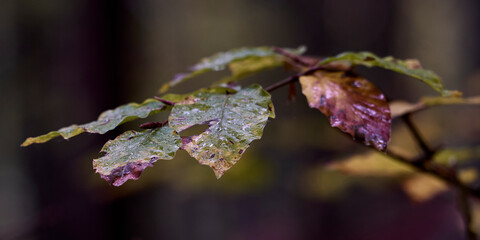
[447, 174]
[441, 172]
[152, 125]
[293, 57]
[422, 163]
[292, 78]
[164, 101]
[428, 151]
[466, 210]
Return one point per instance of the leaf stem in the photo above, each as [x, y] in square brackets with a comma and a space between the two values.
[293, 57]
[466, 210]
[152, 125]
[448, 175]
[292, 78]
[164, 101]
[443, 173]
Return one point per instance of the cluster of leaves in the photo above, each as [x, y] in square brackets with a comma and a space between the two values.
[236, 116]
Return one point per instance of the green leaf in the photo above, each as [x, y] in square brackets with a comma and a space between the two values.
[251, 65]
[127, 156]
[410, 67]
[248, 66]
[107, 121]
[234, 121]
[452, 157]
[352, 104]
[220, 60]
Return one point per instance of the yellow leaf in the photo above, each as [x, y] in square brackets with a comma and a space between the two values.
[372, 164]
[422, 187]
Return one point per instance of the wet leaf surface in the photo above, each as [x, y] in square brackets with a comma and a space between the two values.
[234, 121]
[410, 67]
[127, 156]
[352, 104]
[220, 61]
[107, 121]
[175, 98]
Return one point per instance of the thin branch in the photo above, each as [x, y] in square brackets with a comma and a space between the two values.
[441, 172]
[429, 152]
[293, 57]
[448, 175]
[282, 83]
[292, 78]
[164, 101]
[424, 164]
[466, 211]
[152, 125]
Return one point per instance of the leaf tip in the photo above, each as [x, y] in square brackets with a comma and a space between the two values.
[451, 93]
[218, 174]
[27, 142]
[164, 88]
[131, 170]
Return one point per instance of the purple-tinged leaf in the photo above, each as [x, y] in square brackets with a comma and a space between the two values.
[352, 104]
[127, 156]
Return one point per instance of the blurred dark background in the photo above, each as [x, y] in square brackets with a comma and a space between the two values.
[64, 62]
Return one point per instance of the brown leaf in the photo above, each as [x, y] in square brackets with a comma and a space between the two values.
[352, 104]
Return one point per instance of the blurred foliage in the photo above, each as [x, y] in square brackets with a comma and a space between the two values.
[337, 177]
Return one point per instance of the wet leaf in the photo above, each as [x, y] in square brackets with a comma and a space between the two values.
[127, 156]
[352, 104]
[175, 98]
[107, 121]
[220, 61]
[400, 108]
[234, 121]
[410, 67]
